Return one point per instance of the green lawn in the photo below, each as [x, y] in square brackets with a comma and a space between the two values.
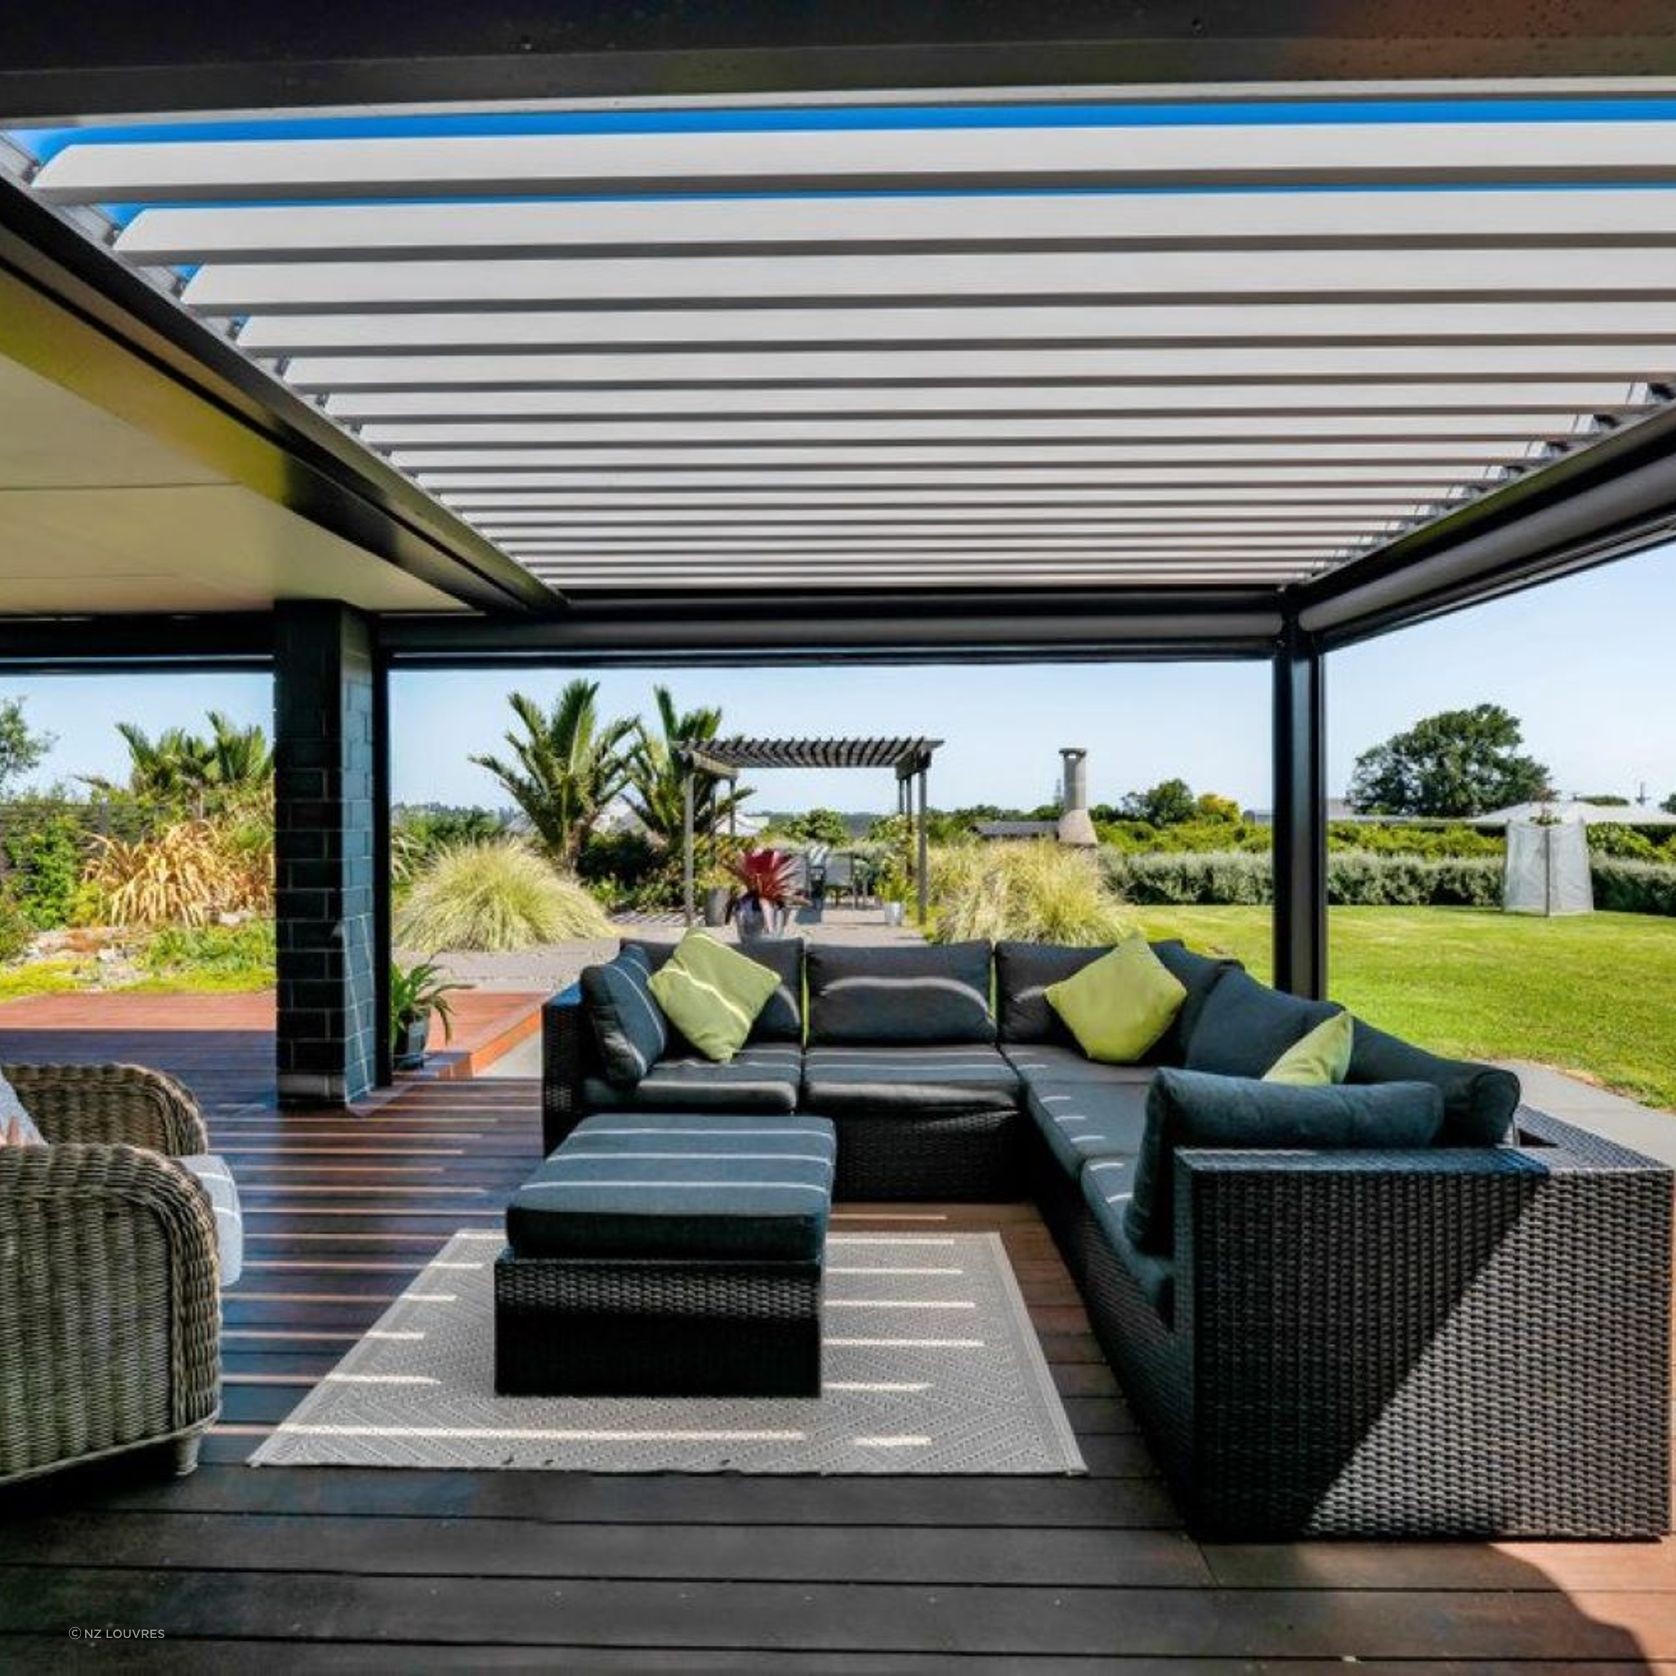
[1594, 995]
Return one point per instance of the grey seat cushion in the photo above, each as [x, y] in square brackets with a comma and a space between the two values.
[1023, 972]
[1244, 1026]
[915, 994]
[1081, 1121]
[781, 1019]
[680, 1187]
[1106, 1186]
[1049, 1061]
[213, 1175]
[757, 1079]
[891, 1081]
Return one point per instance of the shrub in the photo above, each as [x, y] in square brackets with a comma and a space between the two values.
[1621, 843]
[625, 860]
[1355, 878]
[416, 834]
[17, 931]
[1437, 841]
[495, 894]
[1232, 876]
[212, 957]
[187, 874]
[1635, 887]
[1038, 891]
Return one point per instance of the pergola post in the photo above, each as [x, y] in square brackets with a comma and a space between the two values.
[326, 775]
[924, 853]
[687, 881]
[1300, 816]
[382, 938]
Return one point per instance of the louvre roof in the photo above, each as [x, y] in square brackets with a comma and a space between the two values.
[728, 756]
[1187, 343]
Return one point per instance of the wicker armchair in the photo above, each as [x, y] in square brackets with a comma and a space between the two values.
[110, 1315]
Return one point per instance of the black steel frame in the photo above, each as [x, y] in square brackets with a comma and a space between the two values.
[107, 56]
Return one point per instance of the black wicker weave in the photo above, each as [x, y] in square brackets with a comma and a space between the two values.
[1451, 1343]
[586, 1327]
[110, 1313]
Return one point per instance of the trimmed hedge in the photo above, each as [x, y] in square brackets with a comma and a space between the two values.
[1365, 879]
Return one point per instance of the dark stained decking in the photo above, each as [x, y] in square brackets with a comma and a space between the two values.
[339, 1569]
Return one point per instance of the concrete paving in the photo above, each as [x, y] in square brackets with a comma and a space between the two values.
[1641, 1128]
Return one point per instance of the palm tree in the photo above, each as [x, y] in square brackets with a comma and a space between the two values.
[567, 768]
[656, 774]
[181, 770]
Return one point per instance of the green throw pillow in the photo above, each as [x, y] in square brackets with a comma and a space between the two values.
[1321, 1057]
[1120, 1004]
[712, 994]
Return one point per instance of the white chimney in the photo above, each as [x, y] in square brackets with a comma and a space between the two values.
[1075, 826]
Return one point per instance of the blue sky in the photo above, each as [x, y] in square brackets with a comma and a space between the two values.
[1585, 662]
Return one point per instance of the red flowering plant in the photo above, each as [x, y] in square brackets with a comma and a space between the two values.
[767, 877]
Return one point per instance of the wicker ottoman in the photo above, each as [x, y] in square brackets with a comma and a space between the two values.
[668, 1254]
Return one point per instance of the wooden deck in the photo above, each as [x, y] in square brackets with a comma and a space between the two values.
[400, 1570]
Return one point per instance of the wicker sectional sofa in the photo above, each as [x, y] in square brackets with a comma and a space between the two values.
[1468, 1339]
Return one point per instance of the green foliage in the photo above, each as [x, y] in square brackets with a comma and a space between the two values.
[191, 774]
[1434, 841]
[17, 930]
[498, 894]
[416, 990]
[21, 747]
[626, 860]
[1233, 876]
[1603, 799]
[1169, 803]
[566, 767]
[1669, 804]
[818, 826]
[1635, 887]
[1190, 837]
[43, 852]
[1041, 892]
[210, 957]
[658, 780]
[1621, 842]
[416, 834]
[1454, 764]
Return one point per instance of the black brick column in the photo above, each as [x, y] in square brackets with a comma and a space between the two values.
[324, 762]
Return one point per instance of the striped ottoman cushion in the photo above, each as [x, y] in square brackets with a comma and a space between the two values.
[680, 1187]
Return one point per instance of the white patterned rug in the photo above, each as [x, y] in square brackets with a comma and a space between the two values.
[931, 1366]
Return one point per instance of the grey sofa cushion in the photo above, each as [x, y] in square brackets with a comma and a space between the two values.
[1023, 972]
[763, 1078]
[1243, 1026]
[879, 996]
[628, 1022]
[1081, 1121]
[684, 1187]
[1052, 1063]
[903, 1081]
[1479, 1101]
[1190, 1108]
[1106, 1186]
[781, 1019]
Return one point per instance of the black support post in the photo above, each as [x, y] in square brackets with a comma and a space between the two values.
[382, 940]
[325, 773]
[1300, 817]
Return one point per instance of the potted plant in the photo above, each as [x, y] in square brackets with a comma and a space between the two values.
[767, 893]
[716, 885]
[416, 993]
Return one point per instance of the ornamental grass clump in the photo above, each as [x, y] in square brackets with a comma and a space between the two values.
[492, 895]
[1032, 892]
[190, 873]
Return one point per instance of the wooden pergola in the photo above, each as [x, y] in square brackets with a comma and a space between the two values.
[724, 759]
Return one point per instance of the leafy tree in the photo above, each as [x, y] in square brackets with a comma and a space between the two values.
[818, 826]
[566, 767]
[189, 772]
[1169, 803]
[656, 776]
[1604, 799]
[21, 747]
[1455, 764]
[1211, 806]
[1669, 804]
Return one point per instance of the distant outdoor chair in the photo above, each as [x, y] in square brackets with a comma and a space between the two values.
[842, 875]
[110, 1264]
